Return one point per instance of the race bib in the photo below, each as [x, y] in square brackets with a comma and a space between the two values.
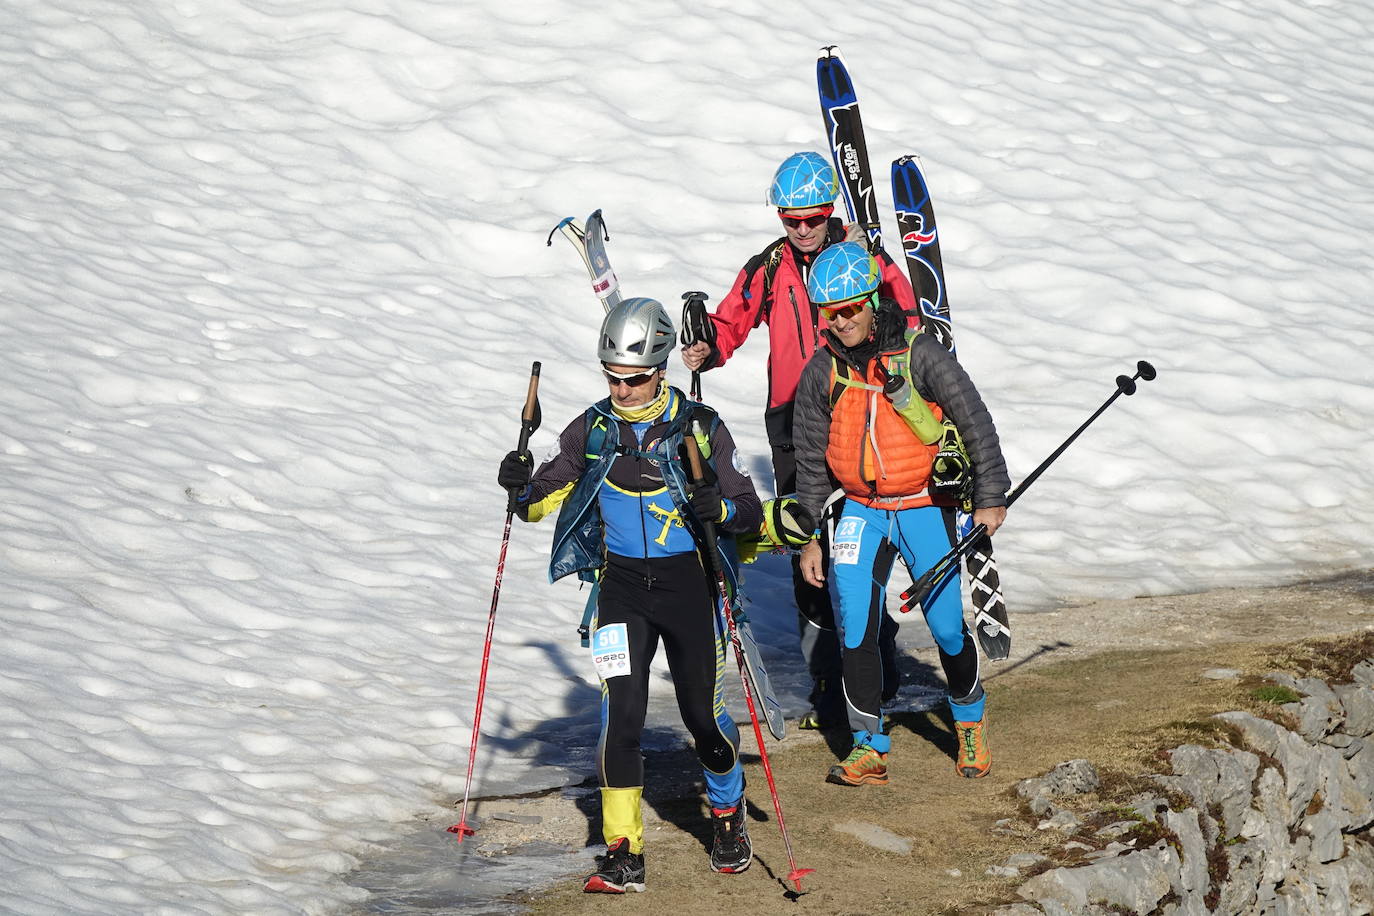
[844, 549]
[611, 651]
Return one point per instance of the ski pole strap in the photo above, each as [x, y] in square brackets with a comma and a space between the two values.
[697, 326]
[584, 629]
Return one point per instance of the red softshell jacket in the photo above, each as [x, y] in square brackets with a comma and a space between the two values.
[794, 325]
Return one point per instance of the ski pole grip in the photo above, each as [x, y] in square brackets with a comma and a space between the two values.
[529, 417]
[694, 458]
[698, 477]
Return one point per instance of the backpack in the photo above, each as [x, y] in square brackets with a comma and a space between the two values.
[768, 261]
[701, 417]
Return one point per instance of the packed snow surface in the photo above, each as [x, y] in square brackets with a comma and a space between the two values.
[272, 276]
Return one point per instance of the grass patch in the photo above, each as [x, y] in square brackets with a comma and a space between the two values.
[1275, 694]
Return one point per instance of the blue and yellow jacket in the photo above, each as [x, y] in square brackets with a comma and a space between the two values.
[623, 488]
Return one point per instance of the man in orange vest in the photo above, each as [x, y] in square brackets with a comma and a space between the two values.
[875, 407]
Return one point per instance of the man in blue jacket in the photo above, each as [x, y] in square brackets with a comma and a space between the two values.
[629, 521]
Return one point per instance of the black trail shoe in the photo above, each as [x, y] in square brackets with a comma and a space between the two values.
[618, 871]
[731, 852]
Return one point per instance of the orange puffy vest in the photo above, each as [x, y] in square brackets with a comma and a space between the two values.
[872, 452]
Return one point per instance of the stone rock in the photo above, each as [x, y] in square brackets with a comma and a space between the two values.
[1266, 826]
[877, 837]
[1116, 829]
[1358, 703]
[1293, 835]
[1359, 870]
[1192, 880]
[1297, 897]
[1018, 909]
[1315, 687]
[1339, 791]
[1221, 674]
[1325, 831]
[1003, 871]
[1297, 758]
[1064, 820]
[1332, 882]
[1024, 860]
[1073, 777]
[1319, 712]
[1215, 776]
[1239, 890]
[1135, 882]
[1361, 769]
[1149, 806]
[1347, 745]
[1110, 851]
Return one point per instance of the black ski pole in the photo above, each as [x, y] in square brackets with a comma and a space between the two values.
[529, 422]
[697, 327]
[713, 562]
[920, 589]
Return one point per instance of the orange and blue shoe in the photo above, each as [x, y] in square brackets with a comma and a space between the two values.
[863, 766]
[973, 758]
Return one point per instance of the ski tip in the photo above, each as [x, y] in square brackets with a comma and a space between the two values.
[795, 876]
[462, 829]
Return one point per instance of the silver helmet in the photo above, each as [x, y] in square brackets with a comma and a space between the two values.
[637, 332]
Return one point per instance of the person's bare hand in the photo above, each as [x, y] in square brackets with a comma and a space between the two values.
[695, 355]
[813, 564]
[991, 516]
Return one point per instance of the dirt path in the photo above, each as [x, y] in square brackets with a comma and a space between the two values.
[1105, 681]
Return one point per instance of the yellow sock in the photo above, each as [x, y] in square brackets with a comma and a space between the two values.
[621, 817]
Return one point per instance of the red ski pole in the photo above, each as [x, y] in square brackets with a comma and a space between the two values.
[709, 529]
[529, 422]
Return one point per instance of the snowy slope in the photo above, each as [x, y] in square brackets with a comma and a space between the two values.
[272, 275]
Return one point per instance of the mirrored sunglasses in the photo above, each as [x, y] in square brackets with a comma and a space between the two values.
[812, 219]
[845, 309]
[633, 379]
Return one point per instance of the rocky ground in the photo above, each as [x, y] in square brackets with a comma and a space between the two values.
[1112, 681]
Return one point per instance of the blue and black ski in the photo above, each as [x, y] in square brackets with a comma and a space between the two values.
[921, 245]
[844, 129]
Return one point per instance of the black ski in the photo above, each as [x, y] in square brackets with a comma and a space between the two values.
[921, 245]
[845, 130]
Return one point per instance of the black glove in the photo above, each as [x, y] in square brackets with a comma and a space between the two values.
[706, 503]
[514, 473]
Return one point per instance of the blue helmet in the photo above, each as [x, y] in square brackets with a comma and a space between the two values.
[843, 271]
[803, 180]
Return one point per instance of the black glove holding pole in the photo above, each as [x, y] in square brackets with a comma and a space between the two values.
[515, 471]
[706, 503]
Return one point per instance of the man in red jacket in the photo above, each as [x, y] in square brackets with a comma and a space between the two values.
[771, 289]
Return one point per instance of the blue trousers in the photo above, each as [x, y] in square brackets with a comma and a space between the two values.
[866, 543]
